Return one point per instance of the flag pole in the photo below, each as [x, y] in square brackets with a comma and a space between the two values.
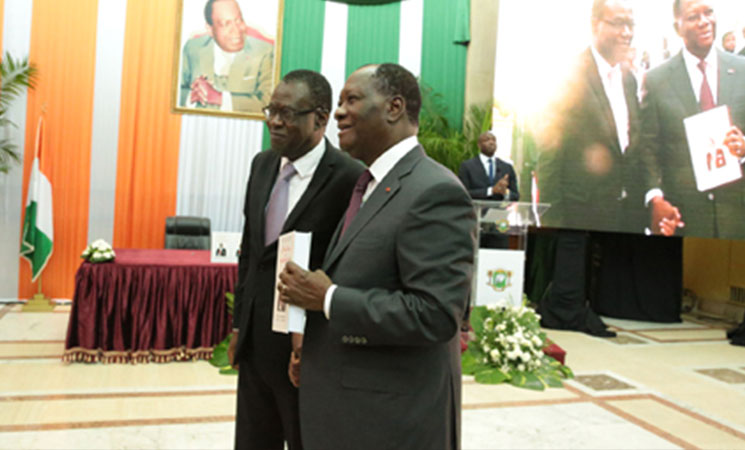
[39, 302]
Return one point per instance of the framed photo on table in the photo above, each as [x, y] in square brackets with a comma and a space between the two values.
[228, 56]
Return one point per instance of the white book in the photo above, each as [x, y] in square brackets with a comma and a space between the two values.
[293, 246]
[713, 164]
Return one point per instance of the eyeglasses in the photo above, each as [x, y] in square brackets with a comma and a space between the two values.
[285, 114]
[620, 24]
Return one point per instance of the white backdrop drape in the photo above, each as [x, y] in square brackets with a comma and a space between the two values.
[214, 163]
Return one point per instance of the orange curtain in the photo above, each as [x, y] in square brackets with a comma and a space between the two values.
[147, 165]
[63, 47]
[2, 19]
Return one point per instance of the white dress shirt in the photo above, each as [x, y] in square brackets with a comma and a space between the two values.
[612, 79]
[305, 167]
[697, 77]
[485, 162]
[223, 61]
[378, 169]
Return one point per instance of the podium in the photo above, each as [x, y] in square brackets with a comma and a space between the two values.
[502, 236]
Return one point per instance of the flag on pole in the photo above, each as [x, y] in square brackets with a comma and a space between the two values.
[535, 197]
[36, 241]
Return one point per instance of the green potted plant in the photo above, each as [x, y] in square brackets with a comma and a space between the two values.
[15, 76]
[443, 141]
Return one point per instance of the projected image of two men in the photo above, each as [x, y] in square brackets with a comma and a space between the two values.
[642, 132]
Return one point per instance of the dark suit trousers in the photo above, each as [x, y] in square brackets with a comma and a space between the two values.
[267, 407]
[566, 304]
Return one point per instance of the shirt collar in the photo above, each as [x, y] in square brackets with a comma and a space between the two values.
[306, 165]
[485, 159]
[604, 68]
[691, 60]
[385, 162]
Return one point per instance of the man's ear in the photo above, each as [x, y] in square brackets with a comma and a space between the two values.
[210, 30]
[396, 108]
[676, 27]
[320, 118]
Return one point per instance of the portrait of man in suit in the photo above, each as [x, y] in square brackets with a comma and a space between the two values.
[230, 68]
[303, 183]
[697, 79]
[487, 177]
[586, 164]
[380, 365]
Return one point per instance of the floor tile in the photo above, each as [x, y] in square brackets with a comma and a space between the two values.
[726, 375]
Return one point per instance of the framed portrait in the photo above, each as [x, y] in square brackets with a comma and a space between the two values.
[228, 56]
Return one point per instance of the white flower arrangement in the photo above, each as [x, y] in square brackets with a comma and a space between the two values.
[98, 251]
[506, 345]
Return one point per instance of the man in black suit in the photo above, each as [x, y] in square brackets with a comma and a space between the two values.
[584, 166]
[487, 177]
[381, 352]
[303, 183]
[678, 89]
[697, 79]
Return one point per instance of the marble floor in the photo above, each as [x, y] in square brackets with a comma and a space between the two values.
[655, 386]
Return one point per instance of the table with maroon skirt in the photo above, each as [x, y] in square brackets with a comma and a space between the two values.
[149, 306]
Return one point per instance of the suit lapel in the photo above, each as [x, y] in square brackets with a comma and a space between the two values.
[598, 91]
[726, 80]
[268, 177]
[383, 193]
[480, 170]
[207, 61]
[321, 174]
[681, 84]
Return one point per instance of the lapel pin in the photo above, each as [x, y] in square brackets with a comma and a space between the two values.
[387, 189]
[730, 71]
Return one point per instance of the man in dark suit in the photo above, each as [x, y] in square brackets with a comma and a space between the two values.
[678, 89]
[584, 166]
[487, 177]
[302, 184]
[381, 353]
[695, 80]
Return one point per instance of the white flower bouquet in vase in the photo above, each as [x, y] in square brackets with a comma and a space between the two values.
[506, 345]
[98, 251]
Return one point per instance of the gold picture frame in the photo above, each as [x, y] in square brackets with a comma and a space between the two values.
[227, 66]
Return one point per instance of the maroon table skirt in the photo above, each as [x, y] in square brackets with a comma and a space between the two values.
[149, 305]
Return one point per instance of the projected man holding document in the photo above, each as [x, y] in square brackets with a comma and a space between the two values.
[692, 114]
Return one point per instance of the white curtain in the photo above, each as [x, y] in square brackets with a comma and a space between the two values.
[214, 163]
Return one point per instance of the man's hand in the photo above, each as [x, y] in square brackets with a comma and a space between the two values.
[500, 187]
[303, 288]
[231, 350]
[735, 142]
[665, 217]
[293, 370]
[203, 93]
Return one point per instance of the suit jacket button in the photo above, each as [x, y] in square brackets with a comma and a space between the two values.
[711, 196]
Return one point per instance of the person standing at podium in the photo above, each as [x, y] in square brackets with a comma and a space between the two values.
[487, 177]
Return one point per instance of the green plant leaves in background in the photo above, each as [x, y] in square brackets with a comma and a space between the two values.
[16, 75]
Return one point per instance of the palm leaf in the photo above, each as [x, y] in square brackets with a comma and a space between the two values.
[16, 76]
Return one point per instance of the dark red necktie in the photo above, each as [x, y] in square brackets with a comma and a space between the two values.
[356, 201]
[706, 100]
